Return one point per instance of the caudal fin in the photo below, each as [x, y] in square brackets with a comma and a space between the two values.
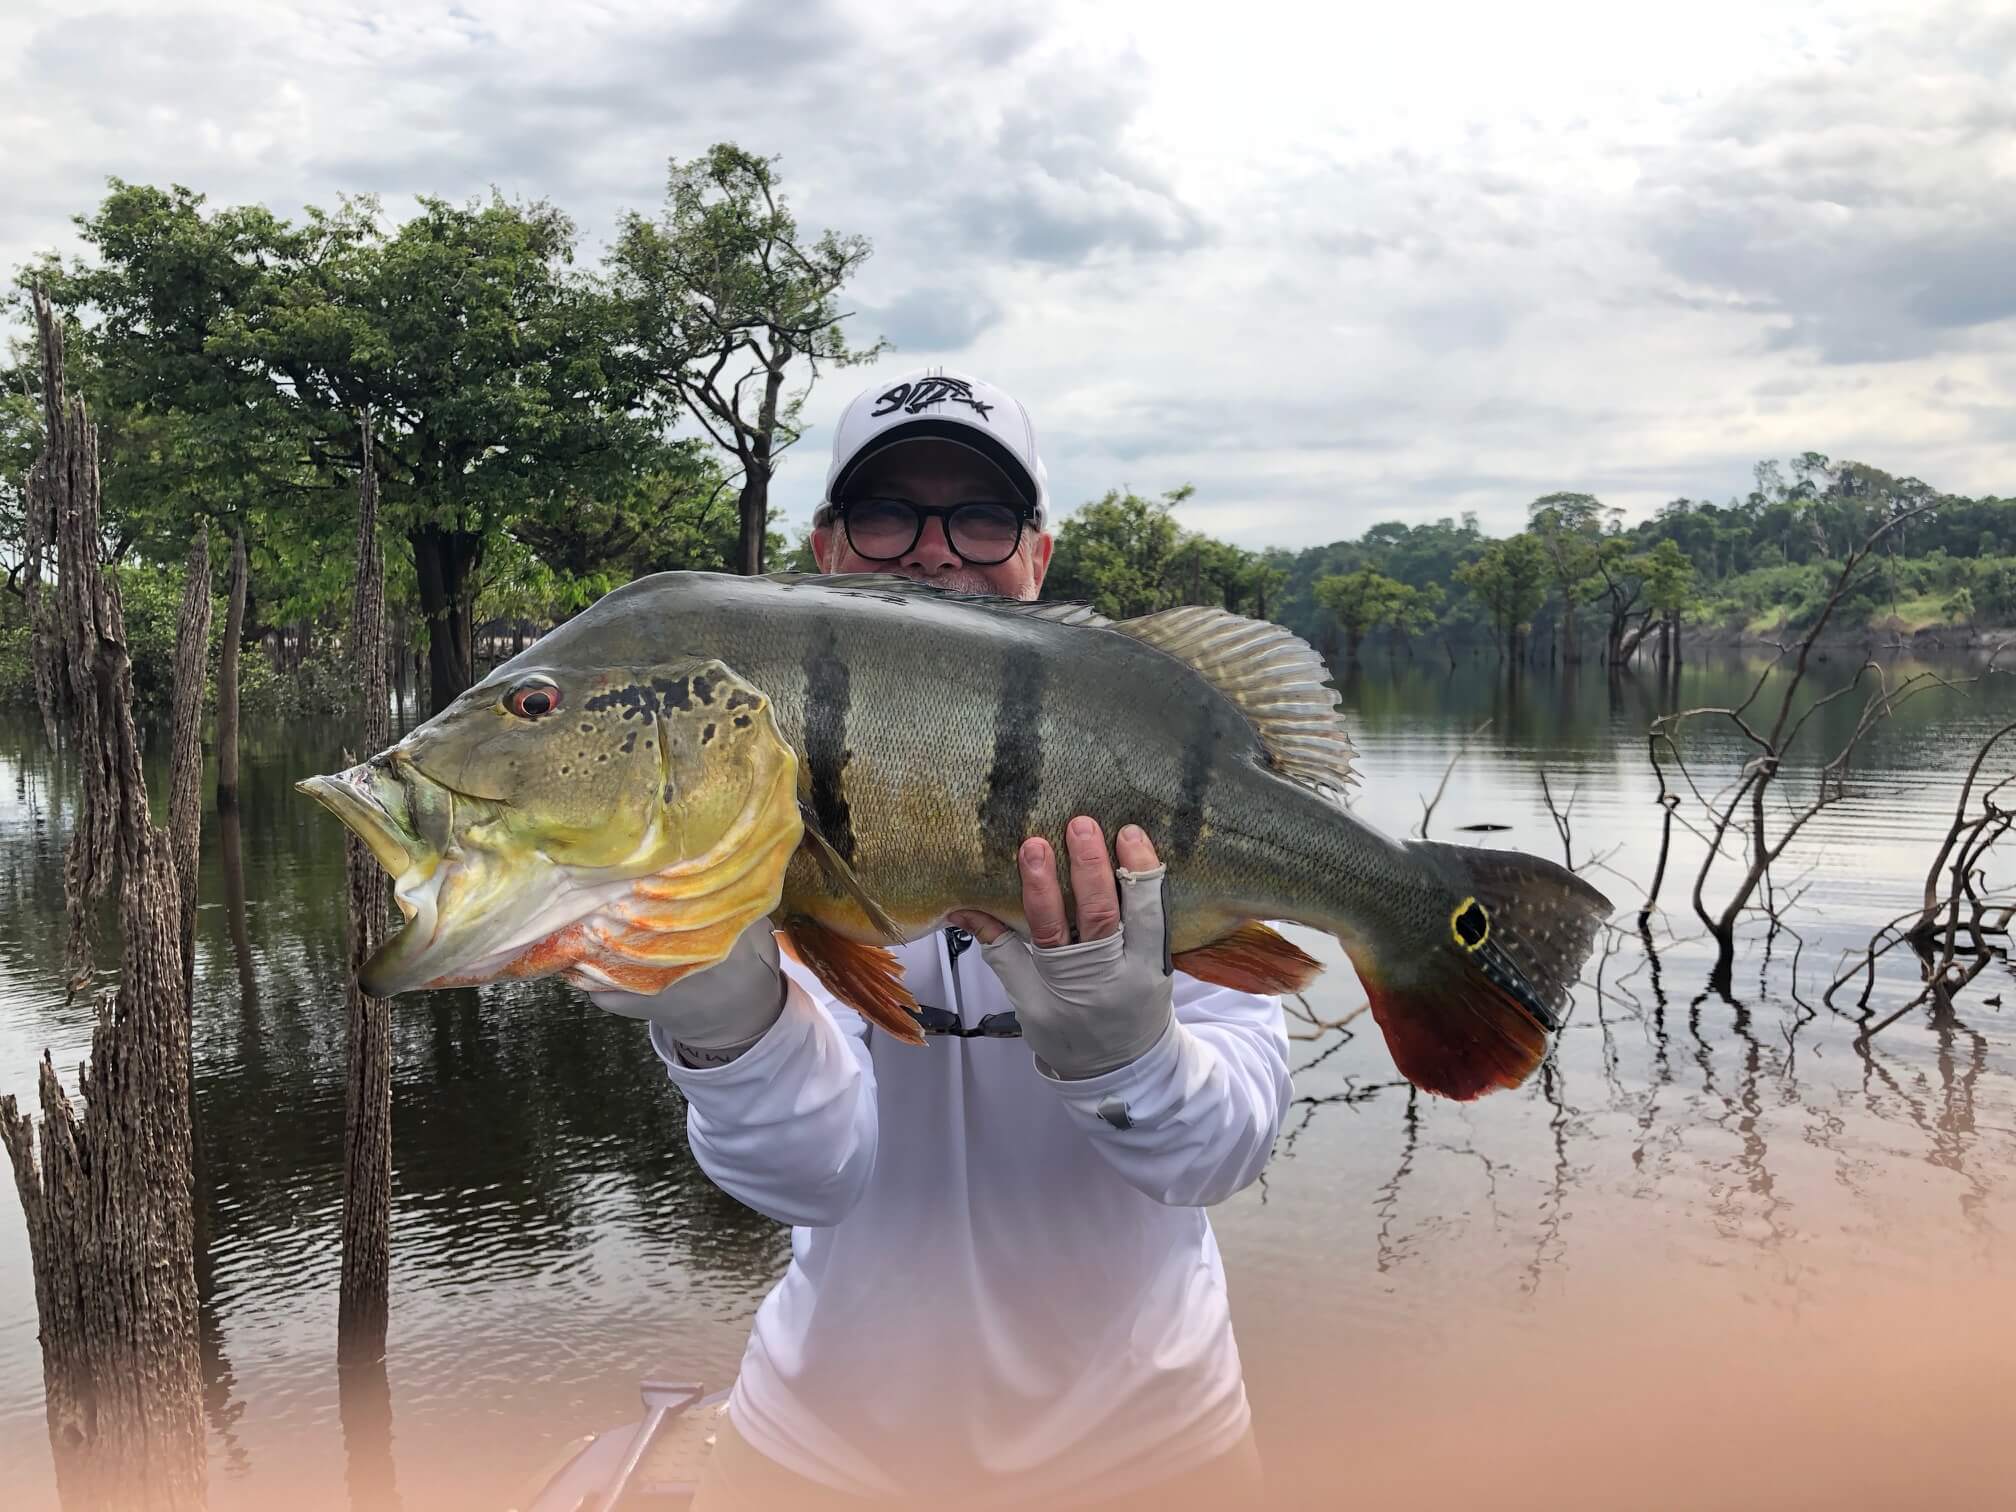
[1478, 1012]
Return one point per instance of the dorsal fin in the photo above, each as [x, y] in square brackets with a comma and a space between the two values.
[895, 586]
[1273, 675]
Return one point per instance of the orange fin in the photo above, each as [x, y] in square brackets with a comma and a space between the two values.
[1253, 958]
[864, 977]
[1451, 1029]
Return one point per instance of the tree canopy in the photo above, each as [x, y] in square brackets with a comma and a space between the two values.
[722, 300]
[544, 432]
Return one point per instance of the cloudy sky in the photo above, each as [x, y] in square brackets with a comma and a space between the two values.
[1332, 266]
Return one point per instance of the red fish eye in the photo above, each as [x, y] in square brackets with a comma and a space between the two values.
[533, 700]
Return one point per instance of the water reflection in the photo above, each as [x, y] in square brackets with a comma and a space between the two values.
[364, 1404]
[553, 1242]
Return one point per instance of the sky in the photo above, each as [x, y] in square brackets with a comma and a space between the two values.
[1330, 265]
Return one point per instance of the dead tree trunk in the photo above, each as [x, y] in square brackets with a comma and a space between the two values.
[445, 562]
[109, 1201]
[231, 862]
[185, 747]
[38, 545]
[227, 683]
[367, 1123]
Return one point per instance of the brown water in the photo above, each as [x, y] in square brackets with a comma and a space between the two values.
[1694, 1186]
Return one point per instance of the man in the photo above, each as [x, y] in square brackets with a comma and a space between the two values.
[1003, 1286]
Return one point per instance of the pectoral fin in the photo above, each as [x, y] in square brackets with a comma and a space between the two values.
[841, 876]
[864, 977]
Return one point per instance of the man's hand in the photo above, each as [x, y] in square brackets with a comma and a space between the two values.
[712, 1016]
[1094, 1006]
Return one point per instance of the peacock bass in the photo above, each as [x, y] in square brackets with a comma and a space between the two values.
[858, 756]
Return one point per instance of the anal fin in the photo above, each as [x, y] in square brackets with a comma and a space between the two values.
[1253, 958]
[864, 977]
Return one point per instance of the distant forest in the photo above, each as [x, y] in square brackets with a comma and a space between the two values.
[543, 431]
[1578, 584]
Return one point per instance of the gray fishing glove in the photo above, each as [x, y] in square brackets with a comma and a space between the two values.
[1096, 1006]
[713, 1015]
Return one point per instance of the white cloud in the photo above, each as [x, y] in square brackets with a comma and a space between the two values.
[1332, 265]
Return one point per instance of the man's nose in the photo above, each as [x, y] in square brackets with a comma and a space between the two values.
[933, 551]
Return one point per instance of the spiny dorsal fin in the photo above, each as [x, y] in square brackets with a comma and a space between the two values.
[896, 587]
[1273, 675]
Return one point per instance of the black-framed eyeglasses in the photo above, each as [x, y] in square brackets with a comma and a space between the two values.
[982, 532]
[1002, 1025]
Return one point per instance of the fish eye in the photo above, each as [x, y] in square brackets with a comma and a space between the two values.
[532, 700]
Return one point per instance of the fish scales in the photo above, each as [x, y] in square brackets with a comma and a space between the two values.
[900, 704]
[931, 734]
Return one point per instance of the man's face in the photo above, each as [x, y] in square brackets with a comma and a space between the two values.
[937, 473]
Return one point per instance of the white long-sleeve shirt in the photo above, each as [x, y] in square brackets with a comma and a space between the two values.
[1000, 1281]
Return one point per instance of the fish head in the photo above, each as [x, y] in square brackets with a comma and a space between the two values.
[524, 825]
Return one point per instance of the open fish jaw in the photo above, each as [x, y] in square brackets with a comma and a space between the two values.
[373, 807]
[694, 835]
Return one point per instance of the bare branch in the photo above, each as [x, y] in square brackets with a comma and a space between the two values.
[1428, 804]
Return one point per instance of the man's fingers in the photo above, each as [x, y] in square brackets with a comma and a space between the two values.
[1095, 899]
[1131, 845]
[984, 927]
[1042, 897]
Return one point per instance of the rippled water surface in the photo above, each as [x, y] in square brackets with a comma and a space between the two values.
[554, 1242]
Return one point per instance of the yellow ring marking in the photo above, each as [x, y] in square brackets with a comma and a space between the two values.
[1457, 934]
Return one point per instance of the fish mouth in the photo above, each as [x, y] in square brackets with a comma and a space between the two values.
[371, 803]
[458, 901]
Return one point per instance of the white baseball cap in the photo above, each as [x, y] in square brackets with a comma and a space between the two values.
[937, 404]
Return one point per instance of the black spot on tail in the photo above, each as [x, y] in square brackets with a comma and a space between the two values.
[827, 696]
[1540, 920]
[1017, 773]
[1471, 924]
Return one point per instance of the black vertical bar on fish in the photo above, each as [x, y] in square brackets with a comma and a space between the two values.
[1187, 822]
[827, 693]
[1016, 776]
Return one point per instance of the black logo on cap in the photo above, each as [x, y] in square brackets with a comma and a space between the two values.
[915, 398]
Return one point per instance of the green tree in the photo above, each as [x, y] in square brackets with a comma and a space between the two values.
[487, 366]
[1358, 601]
[1264, 579]
[1204, 570]
[1412, 611]
[1569, 528]
[1510, 580]
[723, 299]
[1116, 554]
[1620, 572]
[1669, 589]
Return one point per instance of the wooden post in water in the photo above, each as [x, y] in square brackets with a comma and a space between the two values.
[109, 1201]
[185, 746]
[367, 1120]
[364, 1301]
[227, 682]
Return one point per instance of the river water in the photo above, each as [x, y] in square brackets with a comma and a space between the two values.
[1695, 1187]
